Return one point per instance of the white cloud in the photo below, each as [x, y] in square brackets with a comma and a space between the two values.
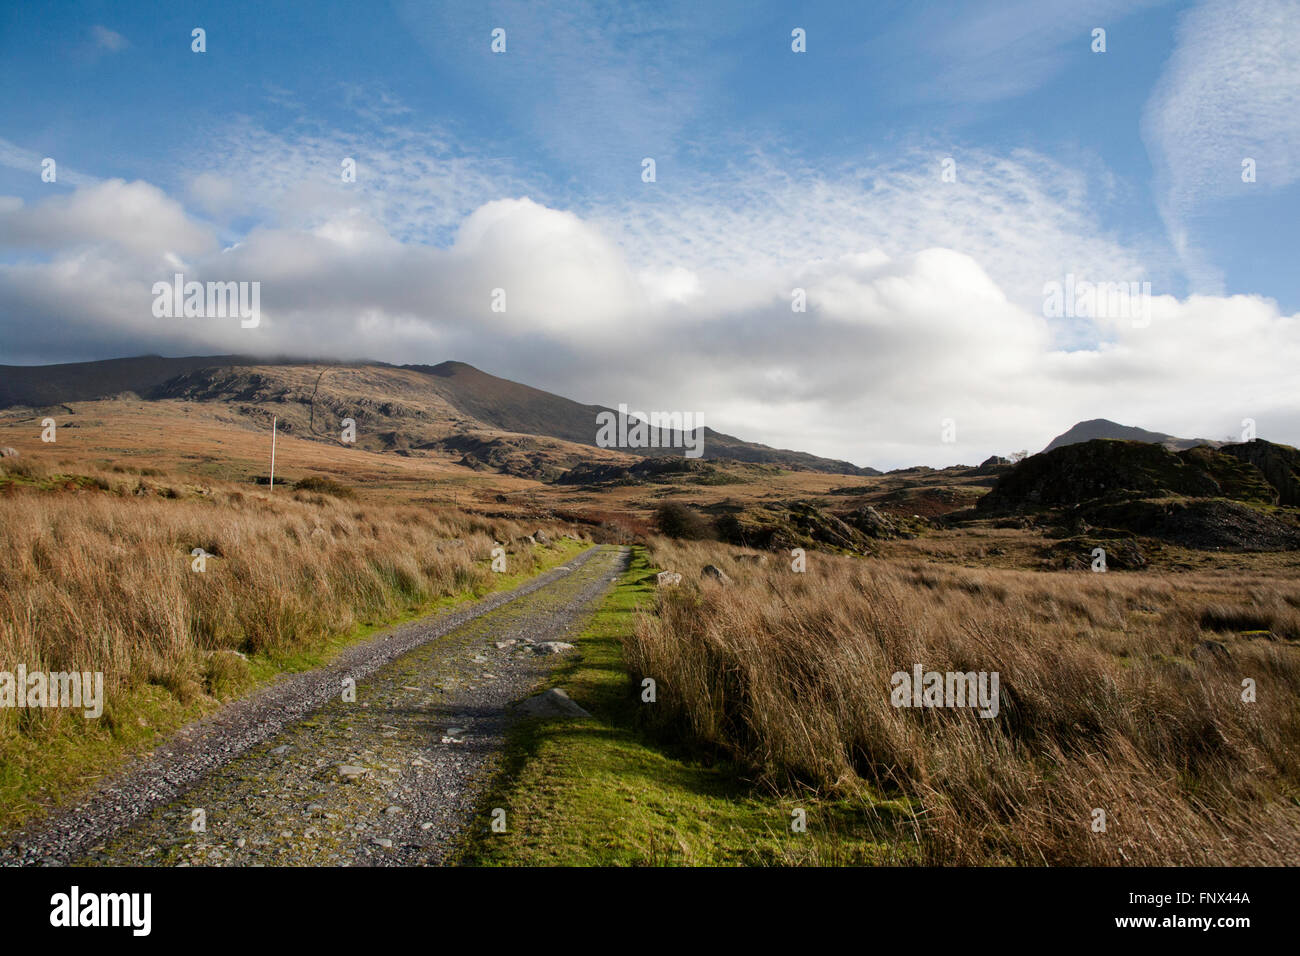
[972, 46]
[924, 298]
[29, 161]
[1230, 91]
[137, 217]
[107, 39]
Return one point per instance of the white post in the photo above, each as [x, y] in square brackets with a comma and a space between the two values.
[274, 419]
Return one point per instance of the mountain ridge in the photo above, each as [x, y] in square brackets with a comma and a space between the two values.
[473, 400]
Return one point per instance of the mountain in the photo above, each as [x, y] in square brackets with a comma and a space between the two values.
[40, 385]
[452, 406]
[1104, 428]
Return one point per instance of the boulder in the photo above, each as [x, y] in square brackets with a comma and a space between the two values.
[713, 572]
[552, 703]
[541, 537]
[8, 452]
[871, 522]
[551, 647]
[668, 579]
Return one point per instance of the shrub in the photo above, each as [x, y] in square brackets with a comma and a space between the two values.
[676, 520]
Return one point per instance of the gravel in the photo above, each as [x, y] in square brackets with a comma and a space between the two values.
[294, 775]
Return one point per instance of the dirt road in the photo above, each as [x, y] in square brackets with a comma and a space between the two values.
[297, 775]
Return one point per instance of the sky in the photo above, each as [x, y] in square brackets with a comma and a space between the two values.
[925, 175]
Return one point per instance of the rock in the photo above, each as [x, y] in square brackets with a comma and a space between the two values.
[552, 703]
[716, 573]
[752, 558]
[1211, 650]
[502, 645]
[668, 579]
[281, 750]
[871, 522]
[454, 735]
[1279, 464]
[393, 810]
[541, 537]
[551, 647]
[315, 808]
[351, 773]
[381, 842]
[1127, 556]
[8, 452]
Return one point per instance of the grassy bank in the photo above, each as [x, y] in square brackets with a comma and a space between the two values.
[602, 791]
[97, 575]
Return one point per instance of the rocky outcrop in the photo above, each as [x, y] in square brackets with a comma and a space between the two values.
[779, 527]
[1200, 497]
[871, 522]
[1279, 464]
[1204, 523]
[1082, 472]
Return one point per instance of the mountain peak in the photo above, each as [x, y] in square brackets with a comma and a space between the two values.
[1105, 428]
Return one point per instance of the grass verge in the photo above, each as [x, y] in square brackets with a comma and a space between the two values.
[601, 791]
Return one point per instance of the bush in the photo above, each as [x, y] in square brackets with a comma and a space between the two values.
[326, 486]
[676, 520]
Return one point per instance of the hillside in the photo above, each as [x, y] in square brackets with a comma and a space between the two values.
[396, 408]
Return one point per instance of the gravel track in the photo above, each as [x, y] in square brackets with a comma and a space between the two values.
[294, 775]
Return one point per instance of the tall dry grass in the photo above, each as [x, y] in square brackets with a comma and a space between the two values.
[1106, 702]
[101, 578]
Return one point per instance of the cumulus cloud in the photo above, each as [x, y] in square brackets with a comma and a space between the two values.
[924, 297]
[137, 217]
[890, 345]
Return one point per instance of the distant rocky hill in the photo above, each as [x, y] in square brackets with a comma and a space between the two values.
[1104, 428]
[1200, 497]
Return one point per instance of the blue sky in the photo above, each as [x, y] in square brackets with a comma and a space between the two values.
[771, 166]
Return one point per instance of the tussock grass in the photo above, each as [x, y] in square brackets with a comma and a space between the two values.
[1106, 703]
[104, 580]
